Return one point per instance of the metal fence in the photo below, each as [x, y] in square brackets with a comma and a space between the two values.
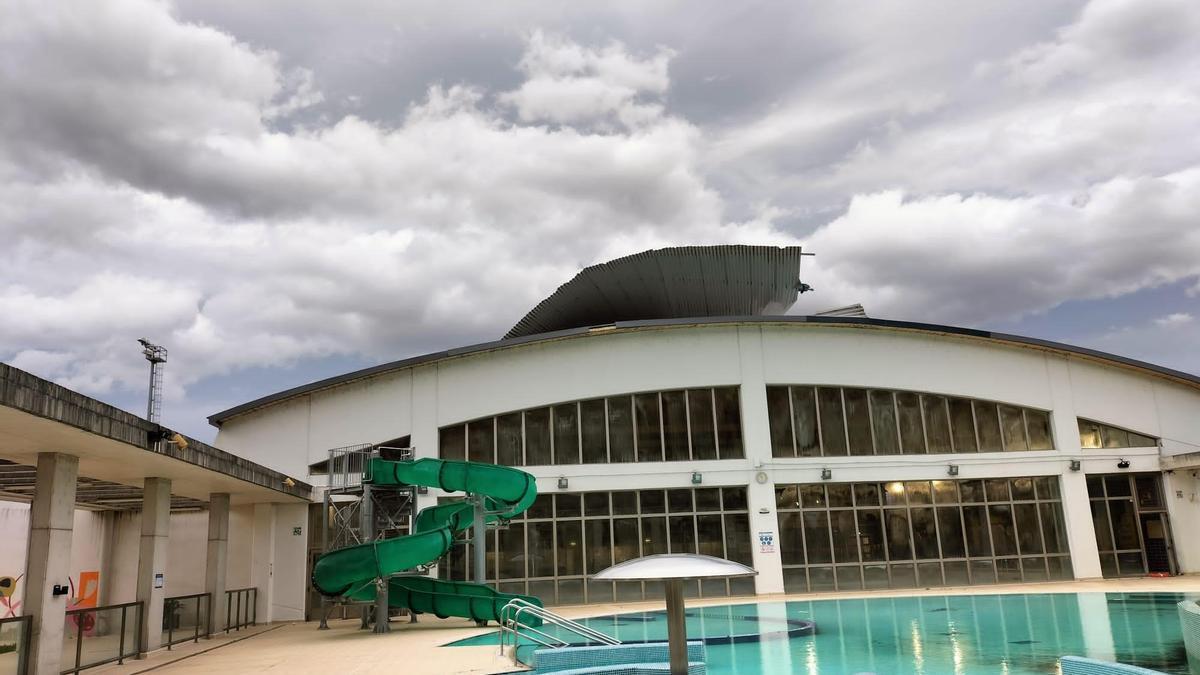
[185, 617]
[99, 635]
[240, 608]
[14, 644]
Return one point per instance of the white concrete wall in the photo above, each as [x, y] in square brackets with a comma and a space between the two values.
[291, 435]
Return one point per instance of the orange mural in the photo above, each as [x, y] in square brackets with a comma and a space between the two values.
[84, 596]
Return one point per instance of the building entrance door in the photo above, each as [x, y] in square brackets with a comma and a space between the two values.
[1156, 539]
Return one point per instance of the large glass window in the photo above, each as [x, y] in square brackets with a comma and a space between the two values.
[931, 533]
[552, 548]
[680, 425]
[1097, 435]
[1131, 523]
[830, 421]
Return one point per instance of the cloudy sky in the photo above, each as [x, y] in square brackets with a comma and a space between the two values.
[287, 189]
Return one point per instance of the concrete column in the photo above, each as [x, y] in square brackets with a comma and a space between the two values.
[764, 525]
[218, 557]
[152, 559]
[48, 557]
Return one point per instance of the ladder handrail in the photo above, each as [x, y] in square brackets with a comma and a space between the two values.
[510, 622]
[557, 619]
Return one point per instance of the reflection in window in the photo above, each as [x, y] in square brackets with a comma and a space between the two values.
[592, 432]
[1097, 435]
[828, 421]
[702, 421]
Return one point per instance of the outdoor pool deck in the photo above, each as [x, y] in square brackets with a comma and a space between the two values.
[416, 648]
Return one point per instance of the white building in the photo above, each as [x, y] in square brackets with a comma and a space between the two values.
[662, 408]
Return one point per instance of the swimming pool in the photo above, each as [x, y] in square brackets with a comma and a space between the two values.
[1016, 634]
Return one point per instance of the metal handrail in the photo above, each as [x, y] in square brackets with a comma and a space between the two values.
[196, 634]
[251, 608]
[510, 622]
[24, 644]
[121, 655]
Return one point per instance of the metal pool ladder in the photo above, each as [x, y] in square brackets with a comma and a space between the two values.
[510, 625]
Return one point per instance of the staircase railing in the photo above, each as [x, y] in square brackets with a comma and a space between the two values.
[510, 625]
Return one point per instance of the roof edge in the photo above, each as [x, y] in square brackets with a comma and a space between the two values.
[217, 419]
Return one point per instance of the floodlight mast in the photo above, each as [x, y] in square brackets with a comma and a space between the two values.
[156, 355]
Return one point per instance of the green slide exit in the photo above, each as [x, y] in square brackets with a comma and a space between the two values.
[348, 572]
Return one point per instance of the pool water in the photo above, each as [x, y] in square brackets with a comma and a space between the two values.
[1014, 634]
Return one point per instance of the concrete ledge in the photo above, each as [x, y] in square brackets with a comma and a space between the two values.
[1078, 665]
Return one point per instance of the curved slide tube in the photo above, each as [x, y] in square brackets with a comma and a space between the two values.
[349, 572]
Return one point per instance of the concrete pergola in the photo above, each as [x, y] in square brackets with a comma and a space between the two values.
[60, 450]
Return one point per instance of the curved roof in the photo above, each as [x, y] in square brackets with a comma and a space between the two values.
[837, 321]
[672, 283]
[674, 566]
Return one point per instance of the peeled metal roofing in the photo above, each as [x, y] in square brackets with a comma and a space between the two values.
[671, 283]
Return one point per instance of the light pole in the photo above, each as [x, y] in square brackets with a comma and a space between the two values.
[156, 355]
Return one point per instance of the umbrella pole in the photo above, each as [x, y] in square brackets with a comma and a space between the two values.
[676, 627]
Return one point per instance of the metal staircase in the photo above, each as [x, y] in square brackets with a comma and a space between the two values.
[510, 625]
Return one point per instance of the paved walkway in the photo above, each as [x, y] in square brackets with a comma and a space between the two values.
[414, 648]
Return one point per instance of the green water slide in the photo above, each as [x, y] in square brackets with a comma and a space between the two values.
[350, 572]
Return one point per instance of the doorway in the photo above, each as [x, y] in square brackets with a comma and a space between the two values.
[1156, 541]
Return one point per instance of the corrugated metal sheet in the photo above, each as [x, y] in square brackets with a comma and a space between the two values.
[672, 283]
[849, 310]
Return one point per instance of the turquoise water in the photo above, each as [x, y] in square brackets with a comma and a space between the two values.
[1016, 634]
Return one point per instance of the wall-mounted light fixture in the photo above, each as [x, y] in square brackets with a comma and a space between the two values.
[562, 483]
[826, 474]
[1122, 463]
[1074, 465]
[422, 490]
[697, 478]
[952, 470]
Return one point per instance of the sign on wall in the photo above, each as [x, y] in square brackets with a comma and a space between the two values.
[766, 542]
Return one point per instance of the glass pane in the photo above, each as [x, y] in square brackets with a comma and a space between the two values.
[537, 437]
[729, 422]
[912, 436]
[599, 591]
[1124, 524]
[512, 551]
[1148, 494]
[833, 431]
[1140, 441]
[653, 501]
[1014, 429]
[1038, 424]
[866, 494]
[737, 538]
[679, 500]
[858, 421]
[903, 576]
[708, 499]
[1008, 571]
[1047, 487]
[779, 421]
[893, 494]
[804, 422]
[1117, 486]
[997, 489]
[1004, 538]
[1108, 565]
[628, 591]
[816, 536]
[595, 504]
[812, 495]
[713, 588]
[683, 534]
[945, 491]
[1029, 531]
[1131, 564]
[976, 525]
[649, 432]
[1034, 569]
[870, 534]
[845, 539]
[620, 429]
[508, 440]
[625, 539]
[925, 535]
[971, 490]
[821, 579]
[956, 573]
[982, 572]
[937, 423]
[875, 576]
[570, 592]
[654, 535]
[452, 442]
[1104, 541]
[704, 435]
[541, 549]
[1060, 569]
[711, 542]
[734, 498]
[1095, 486]
[918, 492]
[883, 421]
[787, 497]
[987, 425]
[566, 434]
[897, 534]
[929, 574]
[838, 495]
[480, 441]
[849, 578]
[543, 507]
[795, 581]
[1114, 437]
[1052, 528]
[567, 505]
[624, 503]
[950, 531]
[1089, 434]
[1022, 488]
[962, 425]
[675, 431]
[592, 428]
